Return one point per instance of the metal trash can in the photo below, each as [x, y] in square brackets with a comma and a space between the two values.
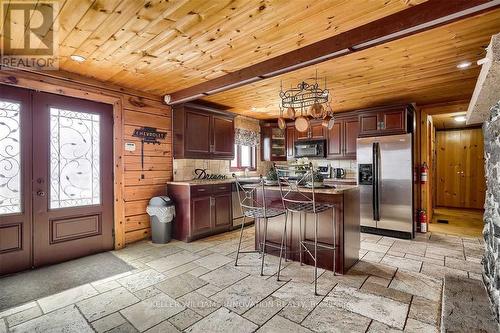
[161, 212]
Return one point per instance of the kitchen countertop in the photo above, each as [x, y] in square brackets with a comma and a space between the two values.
[339, 189]
[341, 180]
[202, 182]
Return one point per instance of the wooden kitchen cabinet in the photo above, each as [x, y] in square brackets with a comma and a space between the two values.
[223, 137]
[201, 210]
[202, 132]
[301, 135]
[387, 120]
[273, 141]
[290, 141]
[335, 140]
[201, 222]
[315, 132]
[351, 133]
[199, 123]
[342, 138]
[222, 210]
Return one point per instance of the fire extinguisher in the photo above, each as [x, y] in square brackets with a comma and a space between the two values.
[424, 171]
[422, 219]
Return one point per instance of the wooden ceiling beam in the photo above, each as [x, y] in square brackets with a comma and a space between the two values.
[425, 16]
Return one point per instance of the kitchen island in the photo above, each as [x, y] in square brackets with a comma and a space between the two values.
[344, 217]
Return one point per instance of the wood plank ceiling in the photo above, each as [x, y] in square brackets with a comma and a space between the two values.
[419, 68]
[160, 46]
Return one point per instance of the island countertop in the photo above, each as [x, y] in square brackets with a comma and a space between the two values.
[336, 189]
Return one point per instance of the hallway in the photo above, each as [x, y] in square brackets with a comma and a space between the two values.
[461, 222]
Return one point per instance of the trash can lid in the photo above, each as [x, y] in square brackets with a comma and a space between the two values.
[161, 201]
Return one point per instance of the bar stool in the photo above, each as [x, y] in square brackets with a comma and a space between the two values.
[303, 201]
[247, 195]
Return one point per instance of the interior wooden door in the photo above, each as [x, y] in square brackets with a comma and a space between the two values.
[460, 168]
[15, 179]
[72, 179]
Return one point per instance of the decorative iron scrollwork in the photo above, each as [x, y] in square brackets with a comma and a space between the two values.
[10, 158]
[74, 158]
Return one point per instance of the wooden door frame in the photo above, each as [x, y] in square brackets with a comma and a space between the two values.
[23, 80]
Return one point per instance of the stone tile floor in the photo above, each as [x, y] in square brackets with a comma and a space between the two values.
[195, 287]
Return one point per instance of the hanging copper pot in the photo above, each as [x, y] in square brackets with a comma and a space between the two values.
[316, 110]
[281, 123]
[302, 124]
[290, 112]
[328, 121]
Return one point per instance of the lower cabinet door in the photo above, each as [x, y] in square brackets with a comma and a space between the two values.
[222, 210]
[200, 215]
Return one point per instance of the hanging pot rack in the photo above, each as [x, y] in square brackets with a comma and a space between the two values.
[304, 101]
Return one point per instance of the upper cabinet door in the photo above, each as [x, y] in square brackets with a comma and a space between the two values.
[202, 133]
[223, 136]
[273, 143]
[351, 132]
[317, 132]
[385, 121]
[335, 140]
[290, 141]
[393, 120]
[197, 134]
[301, 135]
[368, 123]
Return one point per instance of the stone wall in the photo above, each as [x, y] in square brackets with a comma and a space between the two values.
[491, 232]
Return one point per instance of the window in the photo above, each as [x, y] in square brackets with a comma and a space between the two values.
[244, 157]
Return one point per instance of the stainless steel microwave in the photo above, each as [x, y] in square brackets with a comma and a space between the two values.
[311, 148]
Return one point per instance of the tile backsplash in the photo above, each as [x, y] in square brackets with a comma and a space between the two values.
[184, 168]
[350, 166]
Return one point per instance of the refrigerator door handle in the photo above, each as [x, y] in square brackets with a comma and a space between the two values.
[376, 192]
[374, 180]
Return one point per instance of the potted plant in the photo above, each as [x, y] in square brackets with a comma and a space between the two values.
[271, 177]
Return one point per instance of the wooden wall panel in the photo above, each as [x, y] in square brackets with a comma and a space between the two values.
[460, 168]
[132, 109]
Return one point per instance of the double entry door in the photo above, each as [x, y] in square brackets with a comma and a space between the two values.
[56, 178]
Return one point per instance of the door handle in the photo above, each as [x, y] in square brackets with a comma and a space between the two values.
[40, 193]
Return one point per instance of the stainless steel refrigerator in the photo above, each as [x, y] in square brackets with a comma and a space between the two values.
[386, 185]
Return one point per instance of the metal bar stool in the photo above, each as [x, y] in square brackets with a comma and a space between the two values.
[296, 183]
[247, 194]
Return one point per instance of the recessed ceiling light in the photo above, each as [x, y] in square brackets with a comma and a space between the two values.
[464, 64]
[460, 119]
[77, 58]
